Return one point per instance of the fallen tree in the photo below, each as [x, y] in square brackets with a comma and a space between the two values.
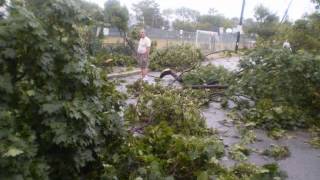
[197, 77]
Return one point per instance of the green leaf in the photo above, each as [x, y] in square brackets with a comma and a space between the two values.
[51, 108]
[31, 93]
[13, 152]
[5, 83]
[203, 176]
[9, 53]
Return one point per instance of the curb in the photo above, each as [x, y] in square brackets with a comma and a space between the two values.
[123, 74]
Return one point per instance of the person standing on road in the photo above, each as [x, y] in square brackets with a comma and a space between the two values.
[287, 45]
[143, 52]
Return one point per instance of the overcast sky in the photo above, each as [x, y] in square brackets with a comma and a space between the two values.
[231, 8]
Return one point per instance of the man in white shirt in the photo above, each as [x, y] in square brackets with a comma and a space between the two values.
[143, 53]
[287, 45]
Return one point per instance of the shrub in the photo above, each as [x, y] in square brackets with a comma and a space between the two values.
[177, 58]
[117, 60]
[119, 49]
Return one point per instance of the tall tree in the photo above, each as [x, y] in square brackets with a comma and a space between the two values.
[263, 15]
[248, 25]
[94, 11]
[186, 19]
[266, 22]
[167, 14]
[210, 22]
[305, 33]
[187, 14]
[116, 15]
[317, 2]
[2, 2]
[186, 26]
[212, 11]
[148, 13]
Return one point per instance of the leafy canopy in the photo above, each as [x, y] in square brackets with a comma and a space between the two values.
[266, 23]
[272, 78]
[148, 13]
[116, 15]
[57, 111]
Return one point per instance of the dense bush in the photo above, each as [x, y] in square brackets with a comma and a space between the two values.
[119, 49]
[284, 87]
[117, 60]
[57, 112]
[177, 58]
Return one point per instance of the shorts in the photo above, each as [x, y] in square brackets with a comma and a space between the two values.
[143, 61]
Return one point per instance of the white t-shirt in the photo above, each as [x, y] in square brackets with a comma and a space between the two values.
[144, 43]
[286, 44]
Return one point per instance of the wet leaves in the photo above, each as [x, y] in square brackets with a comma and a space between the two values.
[277, 152]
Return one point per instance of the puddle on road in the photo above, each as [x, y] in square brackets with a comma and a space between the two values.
[303, 163]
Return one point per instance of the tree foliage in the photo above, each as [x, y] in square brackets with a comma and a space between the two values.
[2, 2]
[203, 22]
[116, 15]
[283, 86]
[94, 11]
[158, 104]
[187, 14]
[178, 58]
[186, 26]
[209, 22]
[317, 2]
[148, 13]
[304, 34]
[57, 112]
[266, 23]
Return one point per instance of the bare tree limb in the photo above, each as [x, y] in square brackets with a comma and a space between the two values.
[216, 86]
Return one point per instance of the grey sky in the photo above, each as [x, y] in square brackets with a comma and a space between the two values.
[231, 8]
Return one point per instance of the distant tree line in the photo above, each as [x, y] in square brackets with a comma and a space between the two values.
[265, 24]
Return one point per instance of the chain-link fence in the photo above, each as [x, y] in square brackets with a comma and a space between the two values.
[207, 42]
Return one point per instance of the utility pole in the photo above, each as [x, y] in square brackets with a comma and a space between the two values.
[286, 12]
[240, 25]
